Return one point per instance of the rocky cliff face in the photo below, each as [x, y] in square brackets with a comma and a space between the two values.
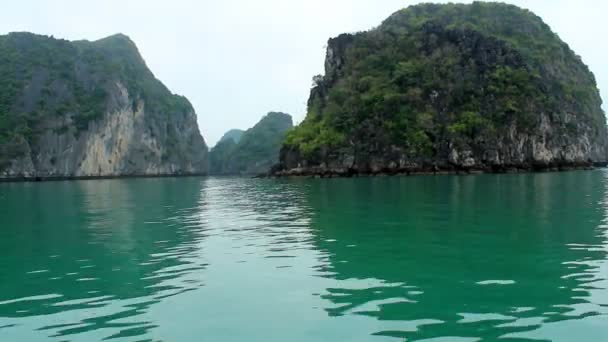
[256, 150]
[87, 109]
[484, 87]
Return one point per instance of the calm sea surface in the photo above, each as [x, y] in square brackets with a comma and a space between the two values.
[447, 258]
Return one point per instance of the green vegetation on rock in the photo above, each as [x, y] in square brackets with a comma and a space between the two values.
[254, 151]
[59, 86]
[434, 79]
[42, 76]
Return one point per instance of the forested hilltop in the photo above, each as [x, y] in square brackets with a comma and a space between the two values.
[485, 86]
[251, 152]
[72, 109]
[233, 134]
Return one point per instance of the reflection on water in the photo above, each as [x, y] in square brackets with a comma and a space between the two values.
[96, 255]
[509, 257]
[489, 256]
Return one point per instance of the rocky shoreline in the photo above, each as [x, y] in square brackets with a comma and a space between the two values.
[74, 178]
[324, 173]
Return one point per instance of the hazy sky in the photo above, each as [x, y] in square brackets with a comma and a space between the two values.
[238, 59]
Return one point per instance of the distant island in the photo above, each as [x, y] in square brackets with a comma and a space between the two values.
[250, 152]
[90, 109]
[234, 135]
[449, 88]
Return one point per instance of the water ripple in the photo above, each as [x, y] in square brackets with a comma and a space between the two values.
[521, 257]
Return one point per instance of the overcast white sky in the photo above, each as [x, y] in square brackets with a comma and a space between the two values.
[235, 60]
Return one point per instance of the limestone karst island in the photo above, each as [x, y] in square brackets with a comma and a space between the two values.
[485, 87]
[443, 177]
[74, 109]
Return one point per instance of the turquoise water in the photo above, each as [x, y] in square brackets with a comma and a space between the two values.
[447, 258]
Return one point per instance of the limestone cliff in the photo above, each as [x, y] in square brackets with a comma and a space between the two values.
[88, 109]
[453, 87]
